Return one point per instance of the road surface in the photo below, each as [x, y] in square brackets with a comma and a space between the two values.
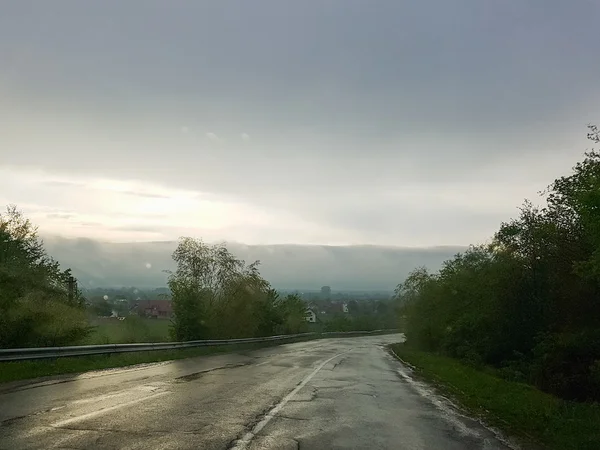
[346, 393]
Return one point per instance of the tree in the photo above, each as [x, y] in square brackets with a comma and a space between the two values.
[216, 295]
[528, 303]
[101, 307]
[292, 310]
[35, 306]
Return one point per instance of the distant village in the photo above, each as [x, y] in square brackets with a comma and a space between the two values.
[322, 305]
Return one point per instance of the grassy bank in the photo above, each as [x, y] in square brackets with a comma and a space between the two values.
[132, 329]
[138, 329]
[22, 370]
[518, 408]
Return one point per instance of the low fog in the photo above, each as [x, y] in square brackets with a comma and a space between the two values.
[142, 264]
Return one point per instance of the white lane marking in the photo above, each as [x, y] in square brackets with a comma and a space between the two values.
[99, 412]
[243, 442]
[262, 363]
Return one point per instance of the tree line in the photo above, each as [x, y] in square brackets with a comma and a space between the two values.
[214, 295]
[528, 302]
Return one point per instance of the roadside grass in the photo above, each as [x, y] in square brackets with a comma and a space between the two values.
[136, 329]
[131, 330]
[517, 408]
[22, 370]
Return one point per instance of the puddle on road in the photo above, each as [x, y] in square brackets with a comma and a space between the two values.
[191, 377]
[197, 375]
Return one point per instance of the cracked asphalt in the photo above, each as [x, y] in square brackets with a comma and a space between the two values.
[347, 393]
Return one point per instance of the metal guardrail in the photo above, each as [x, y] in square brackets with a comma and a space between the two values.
[21, 354]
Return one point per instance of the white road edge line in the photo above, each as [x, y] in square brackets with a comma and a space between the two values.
[99, 412]
[242, 443]
[452, 412]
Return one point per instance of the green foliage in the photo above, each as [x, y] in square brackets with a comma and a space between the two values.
[290, 315]
[339, 322]
[132, 329]
[35, 307]
[567, 364]
[528, 303]
[215, 295]
[361, 319]
[100, 307]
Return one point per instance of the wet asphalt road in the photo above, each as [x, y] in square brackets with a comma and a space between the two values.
[344, 393]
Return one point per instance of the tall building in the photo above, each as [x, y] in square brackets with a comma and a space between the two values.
[326, 292]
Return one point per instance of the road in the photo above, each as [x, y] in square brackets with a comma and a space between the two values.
[343, 393]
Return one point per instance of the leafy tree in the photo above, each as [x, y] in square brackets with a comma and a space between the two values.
[35, 306]
[101, 307]
[339, 322]
[292, 310]
[216, 295]
[528, 303]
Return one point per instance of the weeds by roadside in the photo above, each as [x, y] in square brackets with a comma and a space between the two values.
[517, 408]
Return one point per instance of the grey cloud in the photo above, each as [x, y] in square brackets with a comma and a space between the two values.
[143, 194]
[214, 138]
[146, 215]
[386, 220]
[371, 99]
[53, 183]
[80, 185]
[60, 216]
[91, 224]
[144, 229]
[398, 63]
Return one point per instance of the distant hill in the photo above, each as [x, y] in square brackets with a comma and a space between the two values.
[357, 267]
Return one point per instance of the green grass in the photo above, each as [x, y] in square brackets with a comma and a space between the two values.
[21, 370]
[132, 329]
[517, 408]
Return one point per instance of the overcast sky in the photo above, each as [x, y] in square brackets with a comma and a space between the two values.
[334, 122]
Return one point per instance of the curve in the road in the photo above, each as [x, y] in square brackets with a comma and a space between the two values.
[334, 393]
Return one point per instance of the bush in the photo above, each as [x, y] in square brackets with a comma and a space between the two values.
[35, 307]
[36, 321]
[567, 364]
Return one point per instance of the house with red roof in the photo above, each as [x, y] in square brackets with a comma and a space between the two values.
[157, 309]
